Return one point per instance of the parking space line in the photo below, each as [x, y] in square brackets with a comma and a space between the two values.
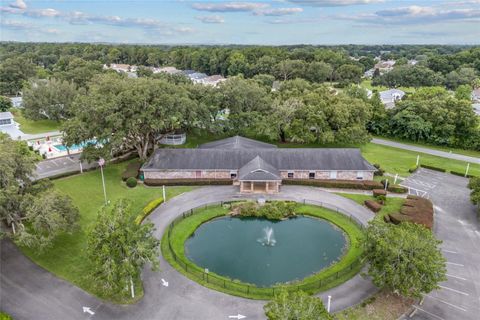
[449, 251]
[453, 290]
[447, 303]
[429, 313]
[455, 264]
[456, 277]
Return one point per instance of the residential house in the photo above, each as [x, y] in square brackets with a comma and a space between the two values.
[476, 95]
[253, 165]
[17, 102]
[385, 66]
[9, 126]
[389, 97]
[212, 80]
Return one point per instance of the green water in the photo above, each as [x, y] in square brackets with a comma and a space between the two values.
[235, 247]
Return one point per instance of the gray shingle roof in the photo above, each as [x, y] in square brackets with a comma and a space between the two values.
[6, 115]
[280, 158]
[258, 170]
[236, 142]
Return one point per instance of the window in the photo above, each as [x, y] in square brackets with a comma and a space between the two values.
[5, 121]
[290, 175]
[311, 175]
[359, 175]
[333, 174]
[233, 174]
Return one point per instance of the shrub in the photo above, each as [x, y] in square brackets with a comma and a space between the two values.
[379, 192]
[381, 199]
[186, 182]
[373, 205]
[152, 205]
[461, 174]
[341, 184]
[275, 210]
[132, 170]
[396, 188]
[415, 209]
[379, 171]
[413, 169]
[131, 182]
[432, 168]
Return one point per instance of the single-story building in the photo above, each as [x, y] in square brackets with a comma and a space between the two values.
[389, 97]
[6, 118]
[9, 126]
[255, 166]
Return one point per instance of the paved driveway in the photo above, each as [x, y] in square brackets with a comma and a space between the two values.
[30, 292]
[456, 223]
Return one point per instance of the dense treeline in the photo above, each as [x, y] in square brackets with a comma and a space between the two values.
[342, 64]
[67, 82]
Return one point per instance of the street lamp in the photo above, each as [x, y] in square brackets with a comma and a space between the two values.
[101, 163]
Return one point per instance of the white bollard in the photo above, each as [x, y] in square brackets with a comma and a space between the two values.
[164, 194]
[81, 167]
[418, 159]
[329, 303]
[396, 177]
[466, 172]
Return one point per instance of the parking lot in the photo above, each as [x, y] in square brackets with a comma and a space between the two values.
[456, 224]
[53, 167]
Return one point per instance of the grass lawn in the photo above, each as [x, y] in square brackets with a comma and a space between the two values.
[327, 278]
[392, 205]
[34, 126]
[471, 153]
[382, 306]
[395, 160]
[67, 258]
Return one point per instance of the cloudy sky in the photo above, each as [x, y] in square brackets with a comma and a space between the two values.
[243, 22]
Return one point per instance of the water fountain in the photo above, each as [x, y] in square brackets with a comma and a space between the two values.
[268, 237]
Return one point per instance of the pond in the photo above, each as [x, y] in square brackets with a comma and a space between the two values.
[264, 252]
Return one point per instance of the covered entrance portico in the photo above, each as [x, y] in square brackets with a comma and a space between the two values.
[260, 186]
[258, 176]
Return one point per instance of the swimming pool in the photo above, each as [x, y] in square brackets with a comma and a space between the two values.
[74, 147]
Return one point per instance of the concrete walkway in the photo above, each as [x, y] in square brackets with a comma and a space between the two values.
[30, 292]
[433, 152]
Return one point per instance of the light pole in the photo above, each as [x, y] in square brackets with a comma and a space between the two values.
[101, 163]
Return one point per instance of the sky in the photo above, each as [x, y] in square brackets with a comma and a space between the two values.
[275, 22]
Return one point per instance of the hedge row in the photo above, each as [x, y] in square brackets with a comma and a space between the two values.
[148, 209]
[342, 184]
[186, 182]
[433, 168]
[379, 192]
[373, 205]
[396, 188]
[462, 174]
[132, 170]
[415, 209]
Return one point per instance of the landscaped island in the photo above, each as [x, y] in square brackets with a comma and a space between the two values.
[247, 255]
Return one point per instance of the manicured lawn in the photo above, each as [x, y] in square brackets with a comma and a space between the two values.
[471, 153]
[67, 258]
[327, 278]
[392, 205]
[395, 160]
[382, 306]
[35, 126]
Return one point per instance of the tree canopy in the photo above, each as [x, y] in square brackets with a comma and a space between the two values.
[404, 258]
[119, 248]
[35, 213]
[296, 306]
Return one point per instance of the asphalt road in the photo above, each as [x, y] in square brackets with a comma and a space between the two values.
[53, 167]
[443, 154]
[457, 225]
[30, 292]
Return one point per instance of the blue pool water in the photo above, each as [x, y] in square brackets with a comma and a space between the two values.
[74, 147]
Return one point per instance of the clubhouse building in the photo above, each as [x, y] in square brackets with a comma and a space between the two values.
[255, 166]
